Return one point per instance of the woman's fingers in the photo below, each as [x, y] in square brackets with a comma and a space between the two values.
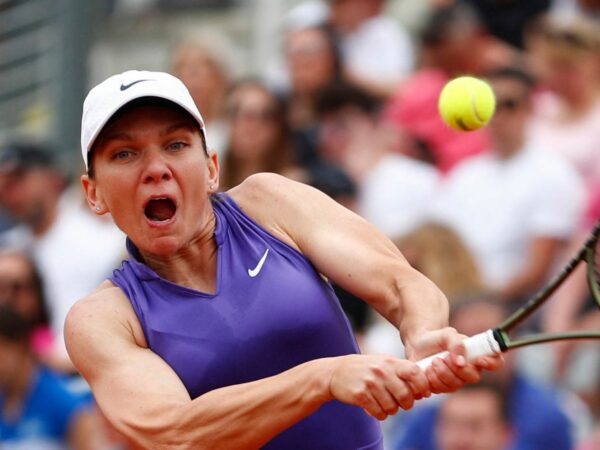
[445, 376]
[379, 384]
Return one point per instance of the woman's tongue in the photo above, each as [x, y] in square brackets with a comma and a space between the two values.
[160, 210]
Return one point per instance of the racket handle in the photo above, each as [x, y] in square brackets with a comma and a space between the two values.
[482, 344]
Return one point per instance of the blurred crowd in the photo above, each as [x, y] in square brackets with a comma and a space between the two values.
[349, 106]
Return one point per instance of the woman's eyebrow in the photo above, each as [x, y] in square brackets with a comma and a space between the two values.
[114, 136]
[124, 136]
[180, 125]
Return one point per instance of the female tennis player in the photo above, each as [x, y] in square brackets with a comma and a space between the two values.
[221, 329]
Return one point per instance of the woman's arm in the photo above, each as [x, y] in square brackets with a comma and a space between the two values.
[145, 400]
[359, 258]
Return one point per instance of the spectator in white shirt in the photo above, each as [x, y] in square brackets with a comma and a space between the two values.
[517, 205]
[363, 27]
[57, 230]
[393, 189]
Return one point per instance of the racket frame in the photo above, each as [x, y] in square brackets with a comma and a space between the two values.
[586, 253]
[496, 340]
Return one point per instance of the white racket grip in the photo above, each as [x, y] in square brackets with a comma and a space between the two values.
[482, 344]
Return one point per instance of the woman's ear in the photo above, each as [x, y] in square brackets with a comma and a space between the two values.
[213, 172]
[93, 197]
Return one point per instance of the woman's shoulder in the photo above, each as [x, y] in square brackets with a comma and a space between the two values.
[259, 193]
[274, 202]
[263, 183]
[103, 309]
[100, 329]
[98, 298]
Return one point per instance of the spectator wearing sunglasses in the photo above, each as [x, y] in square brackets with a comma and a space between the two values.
[453, 41]
[516, 205]
[21, 288]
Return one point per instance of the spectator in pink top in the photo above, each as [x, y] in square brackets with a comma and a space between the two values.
[566, 55]
[453, 43]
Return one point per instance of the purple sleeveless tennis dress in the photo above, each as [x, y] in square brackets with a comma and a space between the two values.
[271, 311]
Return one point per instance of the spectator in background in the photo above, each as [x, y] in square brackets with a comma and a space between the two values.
[588, 8]
[592, 442]
[359, 26]
[474, 418]
[37, 411]
[313, 63]
[439, 253]
[517, 206]
[453, 42]
[334, 182]
[393, 189]
[72, 249]
[565, 52]
[5, 221]
[259, 139]
[203, 67]
[362, 27]
[306, 14]
[506, 19]
[21, 288]
[536, 415]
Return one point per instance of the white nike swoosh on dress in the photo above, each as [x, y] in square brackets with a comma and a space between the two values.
[257, 269]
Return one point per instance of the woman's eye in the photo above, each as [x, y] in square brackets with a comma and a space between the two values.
[122, 154]
[179, 145]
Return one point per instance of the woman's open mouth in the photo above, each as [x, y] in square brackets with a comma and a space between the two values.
[160, 209]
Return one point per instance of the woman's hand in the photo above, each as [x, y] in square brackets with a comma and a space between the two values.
[453, 371]
[380, 384]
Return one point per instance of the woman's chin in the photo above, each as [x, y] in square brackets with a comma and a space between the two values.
[163, 246]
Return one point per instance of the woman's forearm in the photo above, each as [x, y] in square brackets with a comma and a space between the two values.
[420, 305]
[244, 416]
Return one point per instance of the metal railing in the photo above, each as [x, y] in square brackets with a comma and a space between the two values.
[27, 43]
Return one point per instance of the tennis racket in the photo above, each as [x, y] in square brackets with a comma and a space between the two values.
[497, 340]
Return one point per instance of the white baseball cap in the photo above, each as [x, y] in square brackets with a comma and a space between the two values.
[104, 100]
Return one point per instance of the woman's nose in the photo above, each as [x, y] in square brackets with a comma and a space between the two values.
[156, 167]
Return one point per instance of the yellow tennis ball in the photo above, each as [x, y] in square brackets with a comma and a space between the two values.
[467, 103]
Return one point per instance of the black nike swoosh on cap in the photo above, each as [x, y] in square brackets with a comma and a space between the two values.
[124, 87]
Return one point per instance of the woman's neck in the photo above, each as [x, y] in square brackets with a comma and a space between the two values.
[192, 266]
